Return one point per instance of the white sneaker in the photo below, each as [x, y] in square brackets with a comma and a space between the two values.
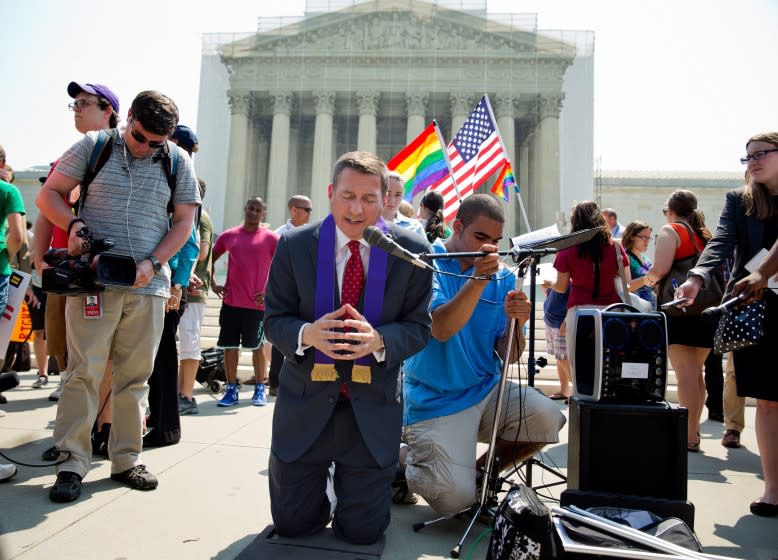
[54, 396]
[42, 381]
[7, 471]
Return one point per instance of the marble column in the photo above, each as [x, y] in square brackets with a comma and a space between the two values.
[505, 112]
[416, 104]
[262, 132]
[367, 101]
[321, 174]
[461, 105]
[277, 176]
[237, 160]
[548, 159]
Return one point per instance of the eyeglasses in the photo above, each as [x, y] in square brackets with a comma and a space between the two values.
[81, 103]
[757, 156]
[304, 209]
[140, 139]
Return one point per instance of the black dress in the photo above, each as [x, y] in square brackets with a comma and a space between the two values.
[755, 370]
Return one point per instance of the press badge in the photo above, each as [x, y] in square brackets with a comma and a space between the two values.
[93, 306]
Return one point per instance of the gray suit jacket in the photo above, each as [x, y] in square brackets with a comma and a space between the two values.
[736, 233]
[303, 406]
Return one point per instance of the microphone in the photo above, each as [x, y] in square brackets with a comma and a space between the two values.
[713, 313]
[376, 238]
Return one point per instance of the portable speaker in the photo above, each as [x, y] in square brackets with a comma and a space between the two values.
[636, 449]
[620, 357]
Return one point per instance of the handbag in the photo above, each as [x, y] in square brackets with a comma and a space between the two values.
[740, 327]
[622, 289]
[523, 529]
[708, 296]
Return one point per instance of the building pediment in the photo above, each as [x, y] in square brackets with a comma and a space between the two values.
[397, 29]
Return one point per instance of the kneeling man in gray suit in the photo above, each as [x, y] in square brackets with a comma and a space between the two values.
[345, 316]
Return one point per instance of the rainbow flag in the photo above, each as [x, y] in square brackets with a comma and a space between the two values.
[506, 180]
[422, 163]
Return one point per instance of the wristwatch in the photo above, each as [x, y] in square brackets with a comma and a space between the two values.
[155, 264]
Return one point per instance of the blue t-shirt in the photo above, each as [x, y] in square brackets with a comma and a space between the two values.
[638, 269]
[448, 377]
[555, 308]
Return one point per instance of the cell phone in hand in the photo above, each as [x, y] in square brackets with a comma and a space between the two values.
[675, 302]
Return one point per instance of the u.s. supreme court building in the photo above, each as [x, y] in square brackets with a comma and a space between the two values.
[277, 107]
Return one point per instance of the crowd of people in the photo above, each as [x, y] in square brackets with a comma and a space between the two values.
[385, 375]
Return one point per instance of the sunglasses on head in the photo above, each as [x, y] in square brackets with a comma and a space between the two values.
[140, 139]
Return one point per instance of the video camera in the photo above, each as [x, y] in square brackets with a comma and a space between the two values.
[87, 273]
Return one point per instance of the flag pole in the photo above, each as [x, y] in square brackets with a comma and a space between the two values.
[448, 161]
[499, 137]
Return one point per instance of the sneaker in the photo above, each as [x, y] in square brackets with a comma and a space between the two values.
[54, 396]
[41, 382]
[66, 488]
[7, 471]
[51, 454]
[400, 492]
[230, 397]
[259, 399]
[186, 406]
[137, 478]
[731, 439]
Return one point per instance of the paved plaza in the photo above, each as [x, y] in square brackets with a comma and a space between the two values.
[212, 499]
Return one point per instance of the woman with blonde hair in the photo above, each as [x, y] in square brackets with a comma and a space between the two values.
[690, 339]
[748, 224]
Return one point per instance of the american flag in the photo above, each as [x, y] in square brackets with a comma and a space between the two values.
[475, 152]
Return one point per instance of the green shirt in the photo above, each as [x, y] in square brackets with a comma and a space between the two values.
[203, 268]
[10, 203]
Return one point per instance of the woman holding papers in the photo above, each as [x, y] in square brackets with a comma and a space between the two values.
[749, 224]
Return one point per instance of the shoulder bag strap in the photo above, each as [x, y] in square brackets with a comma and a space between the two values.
[620, 263]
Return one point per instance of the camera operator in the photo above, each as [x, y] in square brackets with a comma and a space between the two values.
[450, 387]
[126, 203]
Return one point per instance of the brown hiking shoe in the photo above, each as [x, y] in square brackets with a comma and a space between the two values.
[731, 439]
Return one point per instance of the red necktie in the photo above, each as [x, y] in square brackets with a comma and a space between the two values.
[351, 290]
[353, 277]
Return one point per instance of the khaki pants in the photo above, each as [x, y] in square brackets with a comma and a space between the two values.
[734, 406]
[442, 456]
[129, 331]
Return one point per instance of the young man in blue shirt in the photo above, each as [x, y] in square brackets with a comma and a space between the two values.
[450, 387]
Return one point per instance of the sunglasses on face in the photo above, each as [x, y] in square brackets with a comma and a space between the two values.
[81, 103]
[304, 209]
[140, 139]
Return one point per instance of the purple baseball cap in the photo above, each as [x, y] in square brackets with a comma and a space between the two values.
[74, 88]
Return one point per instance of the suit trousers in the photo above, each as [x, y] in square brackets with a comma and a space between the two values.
[129, 331]
[163, 424]
[298, 500]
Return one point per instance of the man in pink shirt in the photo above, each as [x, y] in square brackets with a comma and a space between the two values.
[251, 249]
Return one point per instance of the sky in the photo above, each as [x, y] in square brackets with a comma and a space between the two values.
[679, 84]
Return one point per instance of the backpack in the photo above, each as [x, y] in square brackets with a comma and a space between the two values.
[101, 153]
[707, 297]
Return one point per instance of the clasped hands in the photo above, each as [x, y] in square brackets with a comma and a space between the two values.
[326, 335]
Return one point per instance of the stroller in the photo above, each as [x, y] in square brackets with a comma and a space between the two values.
[211, 373]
